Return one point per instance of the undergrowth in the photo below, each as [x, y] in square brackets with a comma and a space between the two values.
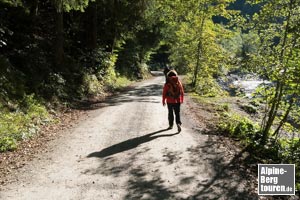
[103, 77]
[239, 127]
[22, 118]
[22, 123]
[278, 151]
[243, 129]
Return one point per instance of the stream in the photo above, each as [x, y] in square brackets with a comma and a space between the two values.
[248, 86]
[245, 84]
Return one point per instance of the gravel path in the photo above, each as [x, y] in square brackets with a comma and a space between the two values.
[123, 151]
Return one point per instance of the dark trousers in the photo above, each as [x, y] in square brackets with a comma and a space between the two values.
[174, 108]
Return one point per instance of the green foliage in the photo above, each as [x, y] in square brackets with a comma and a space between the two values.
[118, 83]
[12, 2]
[277, 58]
[207, 86]
[67, 5]
[21, 124]
[11, 81]
[114, 80]
[107, 77]
[255, 102]
[7, 143]
[233, 43]
[223, 107]
[75, 4]
[195, 40]
[284, 150]
[289, 152]
[249, 109]
[91, 86]
[138, 47]
[33, 108]
[239, 127]
[54, 86]
[101, 75]
[125, 32]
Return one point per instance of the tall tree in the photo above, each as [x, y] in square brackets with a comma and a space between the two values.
[91, 26]
[195, 41]
[278, 57]
[62, 6]
[59, 36]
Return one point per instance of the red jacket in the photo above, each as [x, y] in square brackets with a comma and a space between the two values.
[168, 99]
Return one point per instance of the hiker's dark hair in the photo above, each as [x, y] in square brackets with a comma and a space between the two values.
[172, 73]
[166, 70]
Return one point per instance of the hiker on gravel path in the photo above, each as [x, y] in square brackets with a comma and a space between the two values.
[173, 95]
[166, 71]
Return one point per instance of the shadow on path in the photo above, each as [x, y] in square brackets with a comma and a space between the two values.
[128, 144]
[141, 94]
[203, 171]
[222, 176]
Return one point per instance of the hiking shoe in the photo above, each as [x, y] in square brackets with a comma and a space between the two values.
[170, 127]
[179, 128]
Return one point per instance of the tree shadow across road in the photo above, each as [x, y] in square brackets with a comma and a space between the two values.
[203, 171]
[224, 180]
[141, 94]
[129, 144]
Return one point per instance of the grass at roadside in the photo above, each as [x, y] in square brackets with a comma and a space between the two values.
[22, 123]
[232, 118]
[23, 119]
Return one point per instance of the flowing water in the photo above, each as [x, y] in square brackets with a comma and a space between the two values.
[248, 86]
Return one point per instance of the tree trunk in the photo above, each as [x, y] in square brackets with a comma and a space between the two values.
[34, 7]
[113, 28]
[91, 31]
[199, 52]
[272, 113]
[287, 112]
[196, 71]
[279, 87]
[59, 39]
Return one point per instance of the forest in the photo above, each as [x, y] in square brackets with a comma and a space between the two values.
[58, 53]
